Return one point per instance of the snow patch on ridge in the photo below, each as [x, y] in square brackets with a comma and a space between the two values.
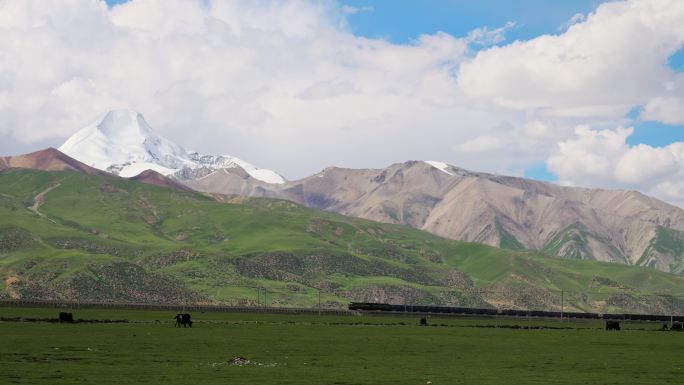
[136, 168]
[227, 161]
[441, 166]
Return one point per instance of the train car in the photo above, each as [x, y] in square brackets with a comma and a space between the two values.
[369, 306]
[581, 315]
[384, 307]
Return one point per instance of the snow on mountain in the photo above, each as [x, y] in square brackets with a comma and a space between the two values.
[122, 143]
[441, 166]
[225, 161]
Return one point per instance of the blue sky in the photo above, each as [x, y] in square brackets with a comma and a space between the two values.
[676, 61]
[653, 133]
[402, 20]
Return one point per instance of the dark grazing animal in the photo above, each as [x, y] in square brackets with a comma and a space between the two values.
[676, 327]
[423, 321]
[183, 319]
[186, 320]
[66, 317]
[613, 325]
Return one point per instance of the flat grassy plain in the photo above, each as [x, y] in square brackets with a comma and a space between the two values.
[303, 349]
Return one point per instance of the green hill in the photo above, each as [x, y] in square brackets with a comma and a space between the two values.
[70, 236]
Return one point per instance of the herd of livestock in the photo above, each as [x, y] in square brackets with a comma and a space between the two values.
[184, 320]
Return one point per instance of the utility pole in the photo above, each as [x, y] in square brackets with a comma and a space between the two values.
[671, 312]
[319, 302]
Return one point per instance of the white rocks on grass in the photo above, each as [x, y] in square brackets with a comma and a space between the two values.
[242, 361]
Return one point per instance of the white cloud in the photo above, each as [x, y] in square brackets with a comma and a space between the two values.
[665, 109]
[588, 157]
[603, 158]
[351, 10]
[482, 143]
[485, 36]
[603, 65]
[575, 19]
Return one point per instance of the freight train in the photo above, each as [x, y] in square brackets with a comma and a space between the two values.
[383, 307]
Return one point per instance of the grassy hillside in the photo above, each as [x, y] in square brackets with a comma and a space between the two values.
[70, 236]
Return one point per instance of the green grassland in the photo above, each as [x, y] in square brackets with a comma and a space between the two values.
[110, 239]
[301, 350]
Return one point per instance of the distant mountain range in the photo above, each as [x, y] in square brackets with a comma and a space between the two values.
[618, 226]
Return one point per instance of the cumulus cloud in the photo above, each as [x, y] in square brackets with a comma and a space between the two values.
[286, 85]
[603, 158]
[590, 156]
[482, 143]
[601, 66]
[665, 109]
[576, 18]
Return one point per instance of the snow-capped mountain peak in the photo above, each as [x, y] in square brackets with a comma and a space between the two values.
[121, 142]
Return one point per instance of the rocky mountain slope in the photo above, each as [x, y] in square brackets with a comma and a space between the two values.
[154, 178]
[71, 236]
[617, 226]
[48, 159]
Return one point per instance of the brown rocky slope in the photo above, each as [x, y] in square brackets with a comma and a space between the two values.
[49, 159]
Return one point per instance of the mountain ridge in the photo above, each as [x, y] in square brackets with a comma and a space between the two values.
[154, 178]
